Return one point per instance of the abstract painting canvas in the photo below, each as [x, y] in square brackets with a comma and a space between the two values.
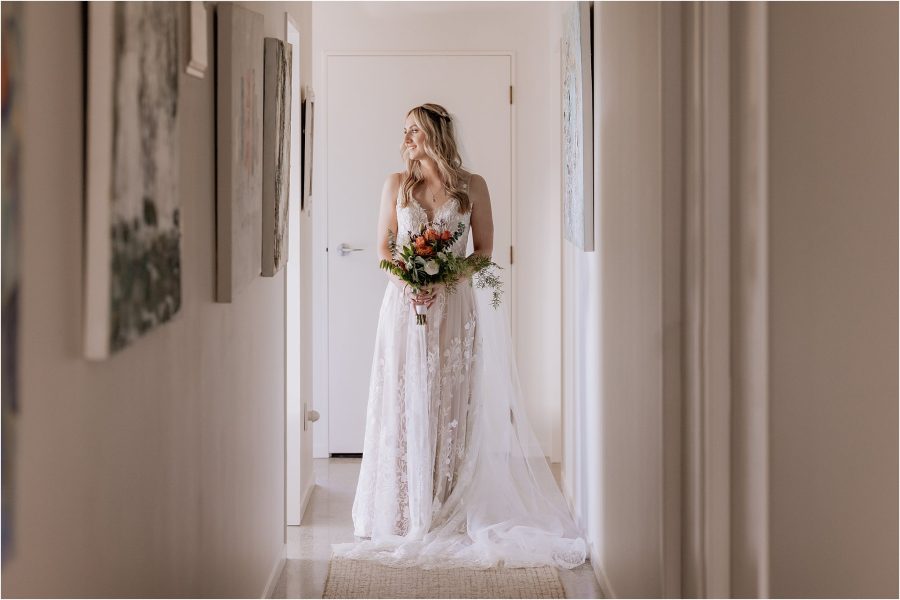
[276, 155]
[577, 127]
[239, 74]
[133, 245]
[307, 114]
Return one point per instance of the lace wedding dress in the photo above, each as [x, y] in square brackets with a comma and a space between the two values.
[451, 474]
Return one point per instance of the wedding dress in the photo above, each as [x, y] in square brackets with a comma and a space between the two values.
[452, 474]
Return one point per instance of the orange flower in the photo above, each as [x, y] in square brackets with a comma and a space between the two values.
[446, 235]
[431, 235]
[420, 241]
[425, 251]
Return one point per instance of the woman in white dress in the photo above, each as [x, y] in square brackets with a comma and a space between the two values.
[451, 474]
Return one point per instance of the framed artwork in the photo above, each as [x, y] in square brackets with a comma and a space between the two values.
[276, 155]
[11, 57]
[133, 234]
[197, 56]
[239, 74]
[307, 115]
[578, 127]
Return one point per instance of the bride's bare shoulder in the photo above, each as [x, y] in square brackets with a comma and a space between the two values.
[393, 180]
[476, 184]
[391, 188]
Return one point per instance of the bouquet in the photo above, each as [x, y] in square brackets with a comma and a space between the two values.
[428, 260]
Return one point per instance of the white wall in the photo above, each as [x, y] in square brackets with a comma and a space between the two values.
[831, 499]
[520, 27]
[833, 299]
[616, 339]
[158, 472]
[303, 478]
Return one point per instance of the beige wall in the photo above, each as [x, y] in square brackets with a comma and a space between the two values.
[520, 27]
[833, 299]
[159, 471]
[301, 12]
[831, 156]
[615, 299]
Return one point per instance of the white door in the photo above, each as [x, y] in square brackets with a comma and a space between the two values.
[367, 98]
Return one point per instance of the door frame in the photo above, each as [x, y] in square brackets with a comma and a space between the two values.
[706, 317]
[320, 228]
[725, 318]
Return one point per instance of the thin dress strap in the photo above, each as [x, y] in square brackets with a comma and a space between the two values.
[399, 190]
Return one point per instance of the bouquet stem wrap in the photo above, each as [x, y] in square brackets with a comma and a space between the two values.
[421, 312]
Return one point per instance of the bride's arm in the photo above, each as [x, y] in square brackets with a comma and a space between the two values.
[387, 221]
[481, 221]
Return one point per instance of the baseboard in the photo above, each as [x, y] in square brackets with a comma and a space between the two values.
[307, 494]
[599, 575]
[602, 581]
[275, 574]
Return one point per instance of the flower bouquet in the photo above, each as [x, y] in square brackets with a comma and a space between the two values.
[427, 260]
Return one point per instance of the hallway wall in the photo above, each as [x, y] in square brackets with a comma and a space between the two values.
[158, 472]
[618, 325]
[830, 441]
[833, 299]
[520, 27]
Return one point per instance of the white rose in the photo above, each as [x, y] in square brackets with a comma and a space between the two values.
[431, 267]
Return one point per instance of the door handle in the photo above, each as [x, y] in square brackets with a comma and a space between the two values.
[344, 250]
[310, 416]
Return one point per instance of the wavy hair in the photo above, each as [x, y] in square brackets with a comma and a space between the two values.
[440, 145]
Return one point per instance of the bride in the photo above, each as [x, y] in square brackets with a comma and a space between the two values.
[451, 474]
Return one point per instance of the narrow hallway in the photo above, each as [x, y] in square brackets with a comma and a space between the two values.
[695, 209]
[327, 521]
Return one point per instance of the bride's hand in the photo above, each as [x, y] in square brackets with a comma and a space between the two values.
[414, 296]
[426, 296]
[432, 292]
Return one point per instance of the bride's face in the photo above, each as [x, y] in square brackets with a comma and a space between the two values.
[414, 139]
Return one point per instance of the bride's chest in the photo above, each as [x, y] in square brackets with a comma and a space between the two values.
[447, 214]
[412, 217]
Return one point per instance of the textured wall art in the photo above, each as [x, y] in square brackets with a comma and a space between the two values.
[276, 155]
[11, 57]
[133, 245]
[577, 127]
[307, 113]
[239, 74]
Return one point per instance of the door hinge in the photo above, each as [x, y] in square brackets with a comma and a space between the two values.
[510, 255]
[510, 94]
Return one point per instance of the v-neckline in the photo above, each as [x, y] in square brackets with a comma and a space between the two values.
[441, 207]
[436, 211]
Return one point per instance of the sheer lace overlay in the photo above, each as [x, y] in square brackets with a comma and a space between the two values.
[452, 475]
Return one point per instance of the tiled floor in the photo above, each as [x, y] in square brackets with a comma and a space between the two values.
[327, 521]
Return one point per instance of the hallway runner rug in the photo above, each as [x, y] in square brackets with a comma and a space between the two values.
[368, 579]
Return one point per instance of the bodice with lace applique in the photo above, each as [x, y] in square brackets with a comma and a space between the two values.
[411, 217]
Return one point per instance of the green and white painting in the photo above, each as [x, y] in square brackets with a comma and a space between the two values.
[133, 271]
[577, 126]
[276, 155]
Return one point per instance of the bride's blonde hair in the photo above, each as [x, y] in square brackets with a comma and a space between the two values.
[440, 145]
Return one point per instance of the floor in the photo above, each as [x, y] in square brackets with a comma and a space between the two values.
[327, 521]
